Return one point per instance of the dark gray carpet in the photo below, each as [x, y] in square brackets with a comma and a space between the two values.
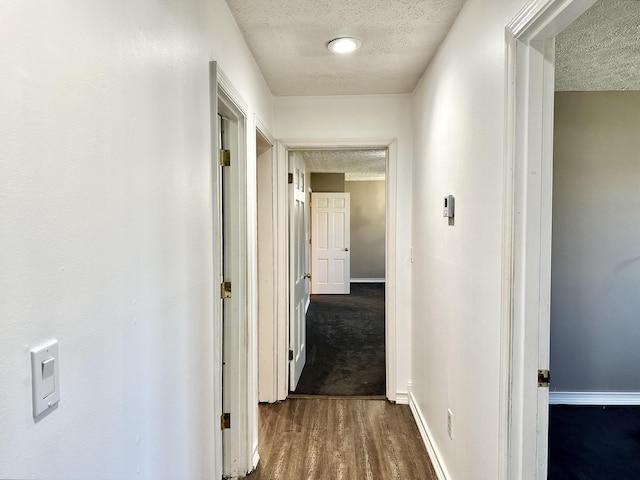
[345, 343]
[594, 443]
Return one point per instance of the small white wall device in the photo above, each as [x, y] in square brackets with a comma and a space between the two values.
[45, 378]
[449, 206]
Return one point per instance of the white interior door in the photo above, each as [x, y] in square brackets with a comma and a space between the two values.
[331, 272]
[298, 269]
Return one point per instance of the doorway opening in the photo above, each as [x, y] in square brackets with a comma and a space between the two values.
[594, 394]
[526, 275]
[344, 249]
[236, 394]
[282, 327]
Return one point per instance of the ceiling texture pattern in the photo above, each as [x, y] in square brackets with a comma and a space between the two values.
[288, 39]
[358, 165]
[601, 49]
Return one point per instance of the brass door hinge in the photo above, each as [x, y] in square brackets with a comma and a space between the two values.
[225, 421]
[225, 290]
[290, 355]
[225, 158]
[290, 178]
[543, 378]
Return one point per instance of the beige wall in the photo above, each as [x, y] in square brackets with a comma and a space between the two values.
[327, 182]
[596, 242]
[368, 220]
[367, 229]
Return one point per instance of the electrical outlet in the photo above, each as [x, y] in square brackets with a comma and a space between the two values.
[450, 423]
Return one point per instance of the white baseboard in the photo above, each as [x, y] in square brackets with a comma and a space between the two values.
[425, 433]
[594, 398]
[367, 280]
[402, 398]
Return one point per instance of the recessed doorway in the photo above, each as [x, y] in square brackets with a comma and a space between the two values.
[345, 318]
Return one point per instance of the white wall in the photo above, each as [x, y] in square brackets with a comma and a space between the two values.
[596, 243]
[459, 148]
[105, 232]
[366, 117]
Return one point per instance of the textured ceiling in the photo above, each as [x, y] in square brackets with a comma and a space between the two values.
[357, 165]
[288, 39]
[601, 49]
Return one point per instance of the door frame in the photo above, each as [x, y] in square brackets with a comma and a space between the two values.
[282, 240]
[239, 455]
[526, 266]
[266, 318]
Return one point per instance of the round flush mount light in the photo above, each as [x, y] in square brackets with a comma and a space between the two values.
[344, 45]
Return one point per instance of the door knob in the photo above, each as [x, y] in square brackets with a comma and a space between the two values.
[346, 249]
[307, 275]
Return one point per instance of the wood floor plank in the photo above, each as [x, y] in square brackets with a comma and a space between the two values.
[340, 439]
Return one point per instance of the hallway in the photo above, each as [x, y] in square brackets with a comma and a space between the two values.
[340, 438]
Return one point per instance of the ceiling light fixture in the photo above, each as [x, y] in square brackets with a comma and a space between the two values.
[344, 45]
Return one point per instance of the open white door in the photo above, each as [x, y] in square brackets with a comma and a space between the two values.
[331, 272]
[298, 270]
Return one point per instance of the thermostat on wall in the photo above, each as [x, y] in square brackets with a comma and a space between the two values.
[449, 206]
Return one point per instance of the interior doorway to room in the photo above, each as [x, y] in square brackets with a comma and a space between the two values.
[230, 274]
[233, 268]
[345, 225]
[594, 413]
[531, 44]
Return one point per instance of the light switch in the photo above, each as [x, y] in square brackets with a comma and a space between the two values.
[48, 378]
[45, 378]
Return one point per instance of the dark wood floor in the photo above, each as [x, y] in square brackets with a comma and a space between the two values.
[340, 439]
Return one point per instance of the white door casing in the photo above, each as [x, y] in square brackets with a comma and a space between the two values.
[330, 272]
[284, 146]
[299, 271]
[235, 263]
[266, 255]
[527, 234]
[216, 210]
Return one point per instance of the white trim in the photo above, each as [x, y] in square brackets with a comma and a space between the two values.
[255, 460]
[434, 454]
[391, 315]
[526, 262]
[260, 127]
[268, 325]
[367, 280]
[402, 398]
[241, 388]
[281, 238]
[594, 398]
[506, 306]
[216, 247]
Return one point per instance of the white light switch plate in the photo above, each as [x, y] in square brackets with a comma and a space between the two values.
[45, 379]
